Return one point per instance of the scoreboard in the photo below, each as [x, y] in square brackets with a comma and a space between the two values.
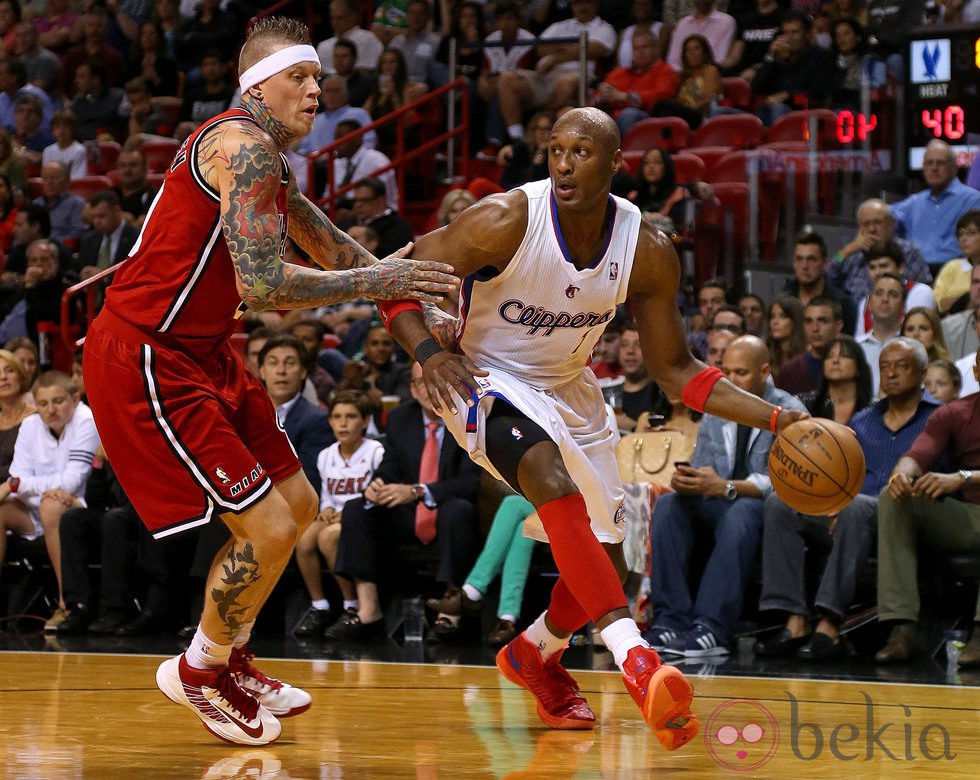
[942, 90]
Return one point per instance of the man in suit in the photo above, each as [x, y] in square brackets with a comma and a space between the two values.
[721, 495]
[282, 369]
[109, 240]
[410, 498]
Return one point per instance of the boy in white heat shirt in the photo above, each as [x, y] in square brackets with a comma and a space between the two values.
[346, 467]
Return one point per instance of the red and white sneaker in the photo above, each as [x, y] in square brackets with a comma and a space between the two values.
[559, 703]
[225, 709]
[279, 698]
[663, 695]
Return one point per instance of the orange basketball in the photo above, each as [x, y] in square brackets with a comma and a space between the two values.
[817, 466]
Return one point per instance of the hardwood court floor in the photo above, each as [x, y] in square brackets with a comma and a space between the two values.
[66, 715]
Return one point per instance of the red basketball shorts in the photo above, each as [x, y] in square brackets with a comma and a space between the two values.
[188, 437]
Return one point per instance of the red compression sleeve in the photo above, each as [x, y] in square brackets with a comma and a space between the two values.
[582, 562]
[699, 387]
[565, 612]
[391, 309]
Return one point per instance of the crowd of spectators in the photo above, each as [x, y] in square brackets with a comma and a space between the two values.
[878, 333]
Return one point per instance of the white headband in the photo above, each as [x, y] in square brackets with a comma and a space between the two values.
[275, 62]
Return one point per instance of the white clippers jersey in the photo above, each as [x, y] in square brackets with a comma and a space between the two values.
[540, 319]
[343, 480]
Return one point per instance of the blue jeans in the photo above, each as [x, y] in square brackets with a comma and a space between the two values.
[678, 523]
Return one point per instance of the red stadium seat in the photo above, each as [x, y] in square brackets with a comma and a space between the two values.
[734, 166]
[688, 167]
[159, 154]
[709, 155]
[155, 180]
[744, 131]
[87, 186]
[106, 156]
[735, 195]
[669, 132]
[737, 93]
[795, 126]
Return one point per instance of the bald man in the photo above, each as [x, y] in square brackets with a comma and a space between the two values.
[928, 217]
[550, 262]
[190, 433]
[876, 224]
[720, 495]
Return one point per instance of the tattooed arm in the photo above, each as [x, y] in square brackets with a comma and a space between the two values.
[329, 246]
[241, 161]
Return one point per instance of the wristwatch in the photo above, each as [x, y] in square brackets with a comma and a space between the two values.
[967, 475]
[731, 492]
[418, 490]
[13, 483]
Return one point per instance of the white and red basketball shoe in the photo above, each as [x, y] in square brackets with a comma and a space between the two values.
[281, 699]
[224, 707]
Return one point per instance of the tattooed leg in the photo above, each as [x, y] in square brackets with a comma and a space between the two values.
[247, 569]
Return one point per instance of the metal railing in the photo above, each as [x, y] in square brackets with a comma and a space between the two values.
[400, 116]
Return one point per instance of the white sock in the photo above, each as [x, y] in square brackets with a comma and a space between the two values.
[547, 643]
[205, 654]
[472, 593]
[354, 604]
[244, 634]
[322, 604]
[511, 618]
[516, 132]
[620, 637]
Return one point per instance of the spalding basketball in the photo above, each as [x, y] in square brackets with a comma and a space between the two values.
[817, 466]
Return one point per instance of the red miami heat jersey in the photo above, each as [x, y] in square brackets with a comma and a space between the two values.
[179, 280]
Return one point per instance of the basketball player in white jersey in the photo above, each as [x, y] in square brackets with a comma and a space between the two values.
[544, 267]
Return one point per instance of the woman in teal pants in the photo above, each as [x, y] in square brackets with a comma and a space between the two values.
[506, 552]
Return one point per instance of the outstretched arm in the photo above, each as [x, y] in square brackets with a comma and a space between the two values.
[241, 162]
[329, 246]
[653, 285]
[486, 234]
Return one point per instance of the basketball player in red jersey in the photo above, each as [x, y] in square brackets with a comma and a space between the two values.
[190, 433]
[545, 266]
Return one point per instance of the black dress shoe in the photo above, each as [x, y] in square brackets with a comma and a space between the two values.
[145, 624]
[78, 620]
[188, 631]
[312, 623]
[783, 643]
[444, 630]
[822, 648]
[111, 621]
[350, 629]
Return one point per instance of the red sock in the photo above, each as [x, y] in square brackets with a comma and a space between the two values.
[565, 612]
[583, 564]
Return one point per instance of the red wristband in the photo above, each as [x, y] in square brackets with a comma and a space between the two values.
[391, 309]
[699, 387]
[772, 420]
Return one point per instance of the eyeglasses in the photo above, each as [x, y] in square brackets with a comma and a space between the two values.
[367, 199]
[751, 733]
[732, 328]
